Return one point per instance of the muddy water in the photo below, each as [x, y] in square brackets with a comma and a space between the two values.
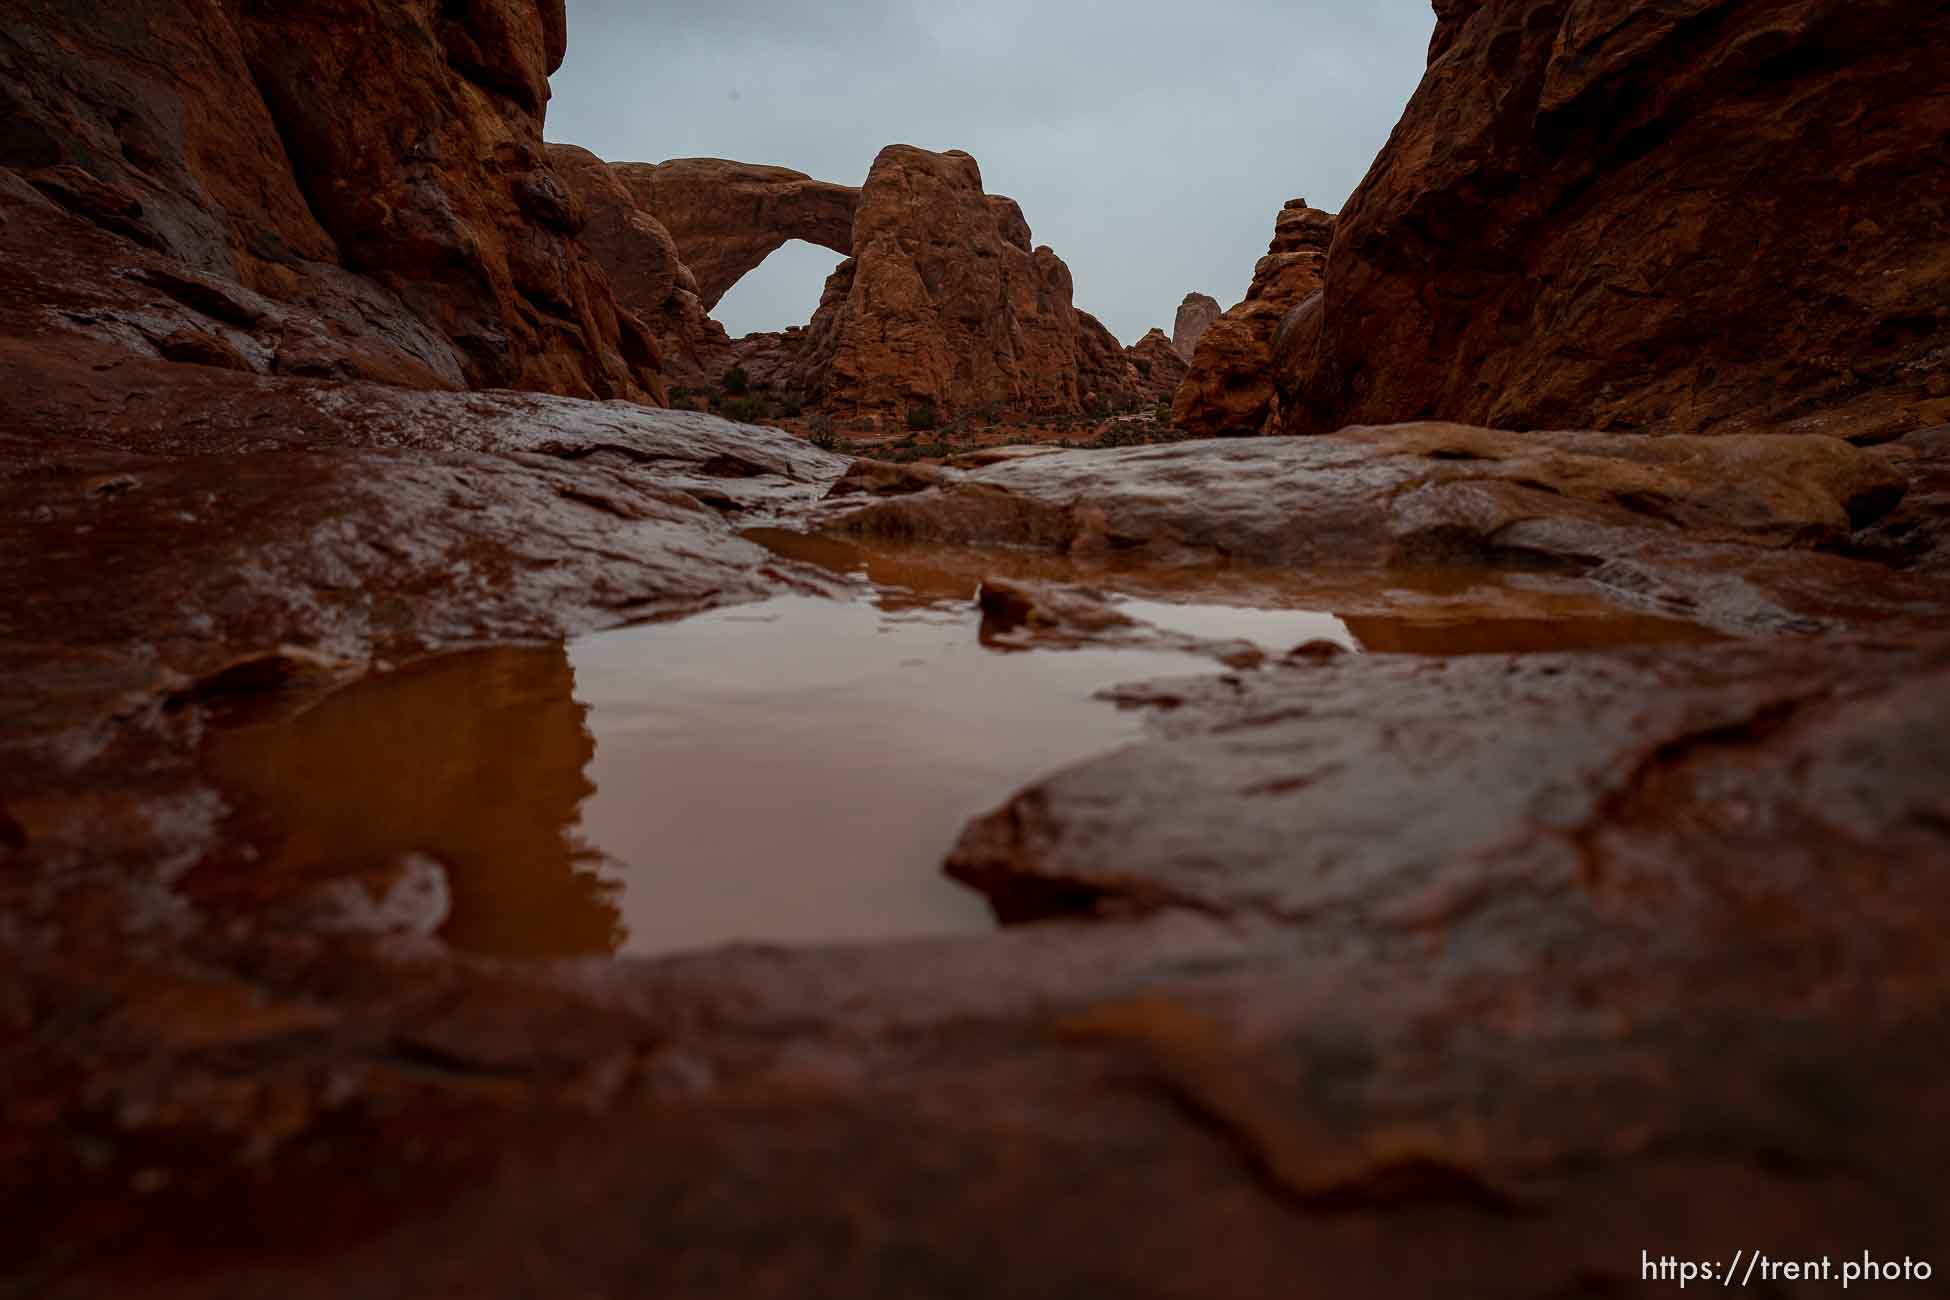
[786, 772]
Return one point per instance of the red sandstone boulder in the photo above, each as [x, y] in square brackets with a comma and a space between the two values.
[1195, 316]
[1700, 217]
[1229, 389]
[366, 179]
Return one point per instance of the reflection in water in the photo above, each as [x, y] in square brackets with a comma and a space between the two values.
[1273, 629]
[796, 771]
[791, 772]
[475, 760]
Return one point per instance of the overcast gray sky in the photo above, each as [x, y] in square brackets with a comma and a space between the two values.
[1150, 142]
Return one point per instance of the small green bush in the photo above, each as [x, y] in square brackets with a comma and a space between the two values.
[791, 408]
[746, 410]
[921, 417]
[737, 382]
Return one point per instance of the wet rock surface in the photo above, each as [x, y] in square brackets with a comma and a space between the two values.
[1476, 953]
[1557, 994]
[1719, 530]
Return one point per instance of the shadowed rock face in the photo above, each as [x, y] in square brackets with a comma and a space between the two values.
[374, 170]
[727, 217]
[1228, 390]
[645, 268]
[1700, 217]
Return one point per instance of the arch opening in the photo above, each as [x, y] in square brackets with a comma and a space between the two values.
[779, 293]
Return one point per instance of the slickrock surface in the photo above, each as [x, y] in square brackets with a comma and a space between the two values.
[1708, 217]
[374, 171]
[645, 269]
[1195, 316]
[727, 217]
[1716, 530]
[1229, 391]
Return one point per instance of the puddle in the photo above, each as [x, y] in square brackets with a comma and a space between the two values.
[787, 772]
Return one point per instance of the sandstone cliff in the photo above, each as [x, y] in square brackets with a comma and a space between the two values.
[352, 189]
[1228, 390]
[1710, 216]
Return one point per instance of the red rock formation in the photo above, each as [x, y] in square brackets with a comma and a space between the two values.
[727, 217]
[1195, 316]
[1160, 368]
[775, 359]
[1229, 390]
[1710, 216]
[313, 186]
[1107, 376]
[945, 304]
[645, 269]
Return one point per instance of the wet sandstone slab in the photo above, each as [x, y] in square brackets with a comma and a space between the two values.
[1732, 532]
[1519, 960]
[1594, 1022]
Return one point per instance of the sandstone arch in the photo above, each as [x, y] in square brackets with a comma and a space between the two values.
[726, 217]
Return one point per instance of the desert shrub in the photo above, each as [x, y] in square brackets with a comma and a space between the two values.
[737, 382]
[791, 408]
[746, 410]
[921, 417]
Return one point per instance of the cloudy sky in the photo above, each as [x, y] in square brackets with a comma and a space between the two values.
[1150, 142]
